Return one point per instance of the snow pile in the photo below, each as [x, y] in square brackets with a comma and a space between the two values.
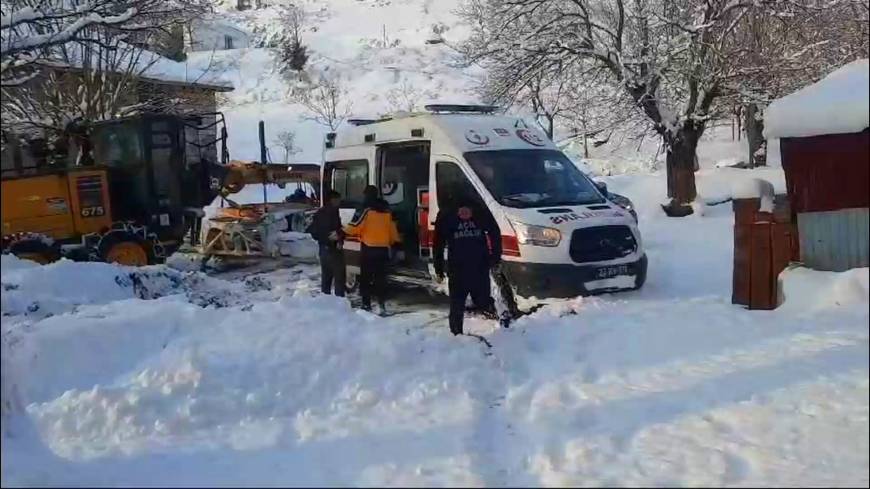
[804, 289]
[42, 291]
[219, 383]
[297, 245]
[838, 103]
[29, 288]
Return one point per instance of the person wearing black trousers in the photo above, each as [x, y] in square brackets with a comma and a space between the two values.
[326, 229]
[464, 230]
[376, 230]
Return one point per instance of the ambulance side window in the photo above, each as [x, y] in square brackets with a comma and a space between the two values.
[452, 185]
[349, 178]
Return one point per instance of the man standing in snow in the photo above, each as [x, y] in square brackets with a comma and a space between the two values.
[326, 229]
[464, 230]
[377, 233]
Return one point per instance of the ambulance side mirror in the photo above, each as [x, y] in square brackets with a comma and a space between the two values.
[602, 187]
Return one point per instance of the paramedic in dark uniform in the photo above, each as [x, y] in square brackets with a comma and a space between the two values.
[326, 229]
[463, 229]
[376, 230]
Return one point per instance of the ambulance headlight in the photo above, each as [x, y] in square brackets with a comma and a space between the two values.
[529, 234]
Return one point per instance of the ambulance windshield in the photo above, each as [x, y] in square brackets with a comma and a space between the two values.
[532, 178]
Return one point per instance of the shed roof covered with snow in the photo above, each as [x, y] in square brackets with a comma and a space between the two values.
[825, 149]
[837, 104]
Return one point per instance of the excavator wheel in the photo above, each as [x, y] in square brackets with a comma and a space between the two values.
[124, 248]
[34, 247]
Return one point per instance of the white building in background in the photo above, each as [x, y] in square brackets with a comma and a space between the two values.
[213, 34]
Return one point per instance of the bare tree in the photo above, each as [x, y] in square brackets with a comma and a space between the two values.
[91, 82]
[94, 75]
[789, 48]
[543, 93]
[675, 59]
[328, 103]
[595, 109]
[572, 96]
[30, 30]
[287, 141]
[404, 97]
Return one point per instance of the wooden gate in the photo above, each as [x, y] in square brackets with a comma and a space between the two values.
[764, 244]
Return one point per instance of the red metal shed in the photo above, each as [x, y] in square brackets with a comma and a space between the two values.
[828, 172]
[825, 149]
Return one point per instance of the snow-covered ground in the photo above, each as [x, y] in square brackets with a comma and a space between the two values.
[159, 377]
[156, 376]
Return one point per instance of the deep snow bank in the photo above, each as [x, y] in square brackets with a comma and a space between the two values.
[54, 293]
[806, 290]
[42, 291]
[112, 373]
[232, 378]
[288, 387]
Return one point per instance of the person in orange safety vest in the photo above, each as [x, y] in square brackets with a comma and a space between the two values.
[376, 230]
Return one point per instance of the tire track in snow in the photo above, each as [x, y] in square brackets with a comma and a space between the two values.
[494, 444]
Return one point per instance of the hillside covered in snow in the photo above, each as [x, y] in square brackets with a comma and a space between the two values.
[377, 49]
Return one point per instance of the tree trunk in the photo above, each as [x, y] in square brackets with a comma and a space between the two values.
[680, 162]
[548, 126]
[755, 136]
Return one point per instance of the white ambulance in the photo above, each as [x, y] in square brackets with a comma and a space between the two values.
[560, 235]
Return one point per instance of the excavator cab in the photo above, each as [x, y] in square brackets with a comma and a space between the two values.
[160, 168]
[128, 190]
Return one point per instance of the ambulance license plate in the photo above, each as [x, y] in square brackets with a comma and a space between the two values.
[613, 271]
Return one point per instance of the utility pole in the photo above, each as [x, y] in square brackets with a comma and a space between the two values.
[263, 162]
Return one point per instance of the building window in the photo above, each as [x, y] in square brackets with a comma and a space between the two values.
[228, 42]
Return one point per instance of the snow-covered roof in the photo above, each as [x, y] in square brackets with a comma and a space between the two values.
[836, 104]
[151, 66]
[166, 70]
[219, 24]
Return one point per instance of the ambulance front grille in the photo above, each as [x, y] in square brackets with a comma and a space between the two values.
[601, 243]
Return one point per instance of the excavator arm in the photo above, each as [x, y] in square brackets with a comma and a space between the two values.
[232, 178]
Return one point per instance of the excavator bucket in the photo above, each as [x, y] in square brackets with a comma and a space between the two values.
[251, 230]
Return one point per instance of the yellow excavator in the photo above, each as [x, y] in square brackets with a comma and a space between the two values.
[128, 191]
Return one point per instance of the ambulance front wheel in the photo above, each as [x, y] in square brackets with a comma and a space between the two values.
[505, 298]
